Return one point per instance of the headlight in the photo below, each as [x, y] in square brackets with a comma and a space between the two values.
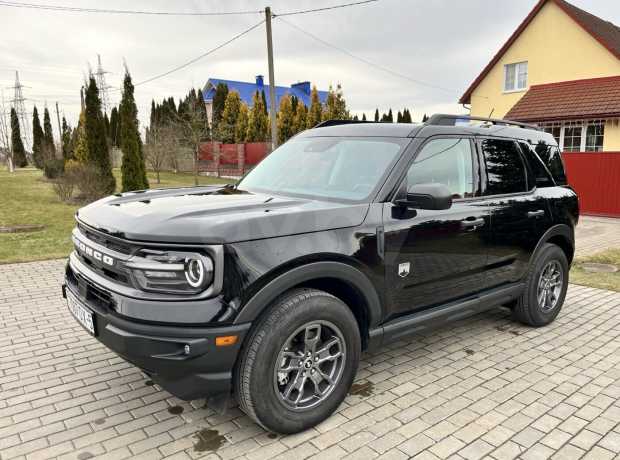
[173, 272]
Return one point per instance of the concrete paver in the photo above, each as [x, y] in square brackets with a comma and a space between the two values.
[485, 386]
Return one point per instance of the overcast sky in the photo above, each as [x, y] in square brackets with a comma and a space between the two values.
[444, 43]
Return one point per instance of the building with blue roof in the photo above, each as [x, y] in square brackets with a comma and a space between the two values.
[246, 91]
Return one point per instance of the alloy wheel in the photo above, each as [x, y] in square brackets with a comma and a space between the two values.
[310, 365]
[550, 286]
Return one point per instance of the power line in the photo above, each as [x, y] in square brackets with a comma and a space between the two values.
[75, 9]
[365, 61]
[326, 8]
[197, 58]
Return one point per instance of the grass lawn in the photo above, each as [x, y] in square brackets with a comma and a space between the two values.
[26, 198]
[598, 280]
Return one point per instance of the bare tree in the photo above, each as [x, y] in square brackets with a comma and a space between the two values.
[5, 138]
[192, 128]
[161, 149]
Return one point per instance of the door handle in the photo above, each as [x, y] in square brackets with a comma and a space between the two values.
[534, 214]
[472, 224]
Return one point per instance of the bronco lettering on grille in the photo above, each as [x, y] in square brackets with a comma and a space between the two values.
[97, 255]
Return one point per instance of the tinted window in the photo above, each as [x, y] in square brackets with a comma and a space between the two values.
[542, 178]
[505, 168]
[326, 167]
[552, 158]
[447, 162]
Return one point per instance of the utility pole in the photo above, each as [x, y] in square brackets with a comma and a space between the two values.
[272, 83]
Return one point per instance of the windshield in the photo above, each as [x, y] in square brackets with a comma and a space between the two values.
[349, 169]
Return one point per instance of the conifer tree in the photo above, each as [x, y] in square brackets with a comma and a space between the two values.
[257, 120]
[226, 126]
[80, 149]
[133, 169]
[241, 127]
[37, 140]
[316, 110]
[406, 116]
[17, 146]
[364, 117]
[285, 119]
[376, 115]
[98, 154]
[335, 105]
[300, 120]
[399, 117]
[390, 117]
[113, 131]
[219, 101]
[264, 98]
[65, 140]
[49, 149]
[424, 119]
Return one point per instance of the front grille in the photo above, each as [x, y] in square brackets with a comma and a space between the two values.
[107, 241]
[97, 267]
[93, 295]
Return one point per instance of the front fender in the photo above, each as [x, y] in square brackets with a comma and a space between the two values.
[308, 272]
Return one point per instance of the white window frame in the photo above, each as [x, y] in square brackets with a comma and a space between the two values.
[584, 129]
[517, 67]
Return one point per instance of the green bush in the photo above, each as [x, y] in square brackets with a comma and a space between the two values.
[53, 168]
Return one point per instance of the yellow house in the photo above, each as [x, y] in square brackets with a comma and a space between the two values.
[561, 70]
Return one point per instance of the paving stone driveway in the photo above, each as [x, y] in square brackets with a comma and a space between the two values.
[483, 387]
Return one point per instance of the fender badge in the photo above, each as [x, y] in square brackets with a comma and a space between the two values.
[403, 269]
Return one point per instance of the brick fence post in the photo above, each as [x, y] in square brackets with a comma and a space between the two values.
[241, 158]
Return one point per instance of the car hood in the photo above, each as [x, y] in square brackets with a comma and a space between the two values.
[214, 214]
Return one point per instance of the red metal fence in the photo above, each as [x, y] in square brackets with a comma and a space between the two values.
[231, 159]
[595, 176]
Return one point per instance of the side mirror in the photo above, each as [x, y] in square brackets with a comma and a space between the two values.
[427, 196]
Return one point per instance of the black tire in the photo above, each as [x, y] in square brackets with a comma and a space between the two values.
[256, 380]
[527, 309]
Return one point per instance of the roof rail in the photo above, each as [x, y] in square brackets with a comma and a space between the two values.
[443, 119]
[326, 123]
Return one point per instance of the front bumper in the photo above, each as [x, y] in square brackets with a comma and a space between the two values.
[183, 360]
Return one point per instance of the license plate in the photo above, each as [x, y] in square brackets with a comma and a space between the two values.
[82, 314]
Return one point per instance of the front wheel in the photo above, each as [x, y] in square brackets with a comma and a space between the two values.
[299, 361]
[545, 288]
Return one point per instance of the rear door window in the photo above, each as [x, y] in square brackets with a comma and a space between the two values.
[504, 167]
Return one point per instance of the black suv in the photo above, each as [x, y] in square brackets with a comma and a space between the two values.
[347, 237]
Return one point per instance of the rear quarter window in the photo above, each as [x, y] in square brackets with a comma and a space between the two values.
[541, 175]
[552, 158]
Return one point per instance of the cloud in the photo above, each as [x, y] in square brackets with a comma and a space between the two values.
[444, 42]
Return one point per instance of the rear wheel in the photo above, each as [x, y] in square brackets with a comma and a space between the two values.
[545, 289]
[299, 362]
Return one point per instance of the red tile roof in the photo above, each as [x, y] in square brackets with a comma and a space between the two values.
[576, 99]
[606, 33]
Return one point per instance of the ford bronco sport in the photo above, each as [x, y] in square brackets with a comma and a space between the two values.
[347, 237]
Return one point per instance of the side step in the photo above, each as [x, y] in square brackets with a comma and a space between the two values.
[409, 325]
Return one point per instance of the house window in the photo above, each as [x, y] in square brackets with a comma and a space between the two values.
[595, 130]
[515, 76]
[572, 136]
[554, 128]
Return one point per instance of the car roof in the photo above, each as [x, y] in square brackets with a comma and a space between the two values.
[424, 130]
